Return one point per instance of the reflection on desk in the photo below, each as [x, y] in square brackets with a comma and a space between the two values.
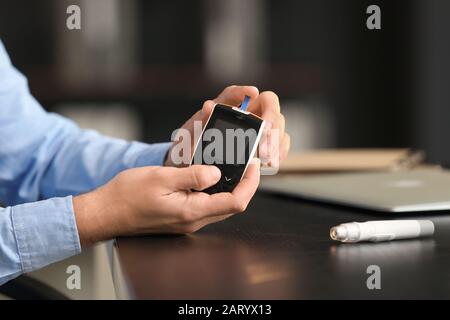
[280, 249]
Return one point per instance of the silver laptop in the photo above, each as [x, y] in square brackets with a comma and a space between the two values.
[404, 191]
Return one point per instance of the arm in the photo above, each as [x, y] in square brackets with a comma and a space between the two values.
[43, 155]
[137, 201]
[36, 234]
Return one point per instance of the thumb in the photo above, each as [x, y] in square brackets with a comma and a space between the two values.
[206, 110]
[197, 177]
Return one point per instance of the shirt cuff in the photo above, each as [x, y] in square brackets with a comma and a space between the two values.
[45, 232]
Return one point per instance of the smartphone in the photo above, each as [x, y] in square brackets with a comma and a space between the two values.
[229, 140]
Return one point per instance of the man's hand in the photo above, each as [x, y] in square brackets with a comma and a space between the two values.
[265, 104]
[155, 200]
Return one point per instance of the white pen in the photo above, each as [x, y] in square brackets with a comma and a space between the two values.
[384, 230]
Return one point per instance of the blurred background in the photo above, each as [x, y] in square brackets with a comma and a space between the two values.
[138, 69]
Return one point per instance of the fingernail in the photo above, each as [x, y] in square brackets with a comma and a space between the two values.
[215, 172]
[256, 88]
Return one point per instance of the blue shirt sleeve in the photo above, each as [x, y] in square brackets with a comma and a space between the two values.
[42, 156]
[36, 234]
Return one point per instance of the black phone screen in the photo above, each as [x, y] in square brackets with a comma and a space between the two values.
[228, 140]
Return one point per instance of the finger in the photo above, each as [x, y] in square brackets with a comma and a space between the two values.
[207, 109]
[197, 116]
[267, 105]
[234, 95]
[282, 125]
[269, 149]
[263, 148]
[274, 147]
[285, 146]
[195, 226]
[200, 205]
[197, 177]
[247, 187]
[265, 100]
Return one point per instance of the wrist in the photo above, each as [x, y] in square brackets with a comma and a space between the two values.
[89, 212]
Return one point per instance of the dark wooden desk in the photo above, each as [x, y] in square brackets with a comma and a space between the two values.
[280, 249]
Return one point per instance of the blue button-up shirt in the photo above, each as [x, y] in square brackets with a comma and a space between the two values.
[44, 160]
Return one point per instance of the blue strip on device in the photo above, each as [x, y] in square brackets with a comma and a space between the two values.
[244, 104]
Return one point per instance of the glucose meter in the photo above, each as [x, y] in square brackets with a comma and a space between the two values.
[229, 141]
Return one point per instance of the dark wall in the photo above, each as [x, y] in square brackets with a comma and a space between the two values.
[367, 72]
[27, 30]
[373, 85]
[432, 79]
[386, 88]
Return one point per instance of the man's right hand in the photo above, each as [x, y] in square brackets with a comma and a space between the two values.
[155, 200]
